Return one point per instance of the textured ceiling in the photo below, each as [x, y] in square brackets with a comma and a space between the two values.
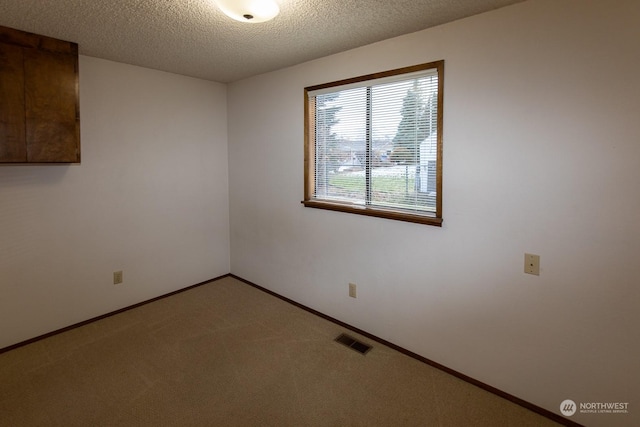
[194, 38]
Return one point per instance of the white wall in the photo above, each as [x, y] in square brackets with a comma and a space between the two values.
[541, 155]
[149, 198]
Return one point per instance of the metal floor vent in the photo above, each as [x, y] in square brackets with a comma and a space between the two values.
[352, 343]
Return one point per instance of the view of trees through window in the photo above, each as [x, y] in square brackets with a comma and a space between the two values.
[377, 144]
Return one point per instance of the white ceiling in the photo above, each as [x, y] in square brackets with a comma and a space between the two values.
[194, 38]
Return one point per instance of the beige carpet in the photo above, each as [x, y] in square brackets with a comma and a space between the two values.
[227, 354]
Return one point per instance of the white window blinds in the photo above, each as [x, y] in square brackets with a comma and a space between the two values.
[376, 143]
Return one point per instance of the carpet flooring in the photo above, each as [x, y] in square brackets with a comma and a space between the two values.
[228, 354]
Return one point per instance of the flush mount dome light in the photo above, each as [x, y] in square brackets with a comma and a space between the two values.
[253, 11]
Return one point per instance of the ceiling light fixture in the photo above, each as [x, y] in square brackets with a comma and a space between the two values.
[253, 11]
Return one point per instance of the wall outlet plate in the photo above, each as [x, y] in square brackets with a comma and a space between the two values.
[532, 264]
[352, 290]
[117, 277]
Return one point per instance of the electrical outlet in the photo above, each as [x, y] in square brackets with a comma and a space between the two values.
[117, 277]
[352, 290]
[532, 264]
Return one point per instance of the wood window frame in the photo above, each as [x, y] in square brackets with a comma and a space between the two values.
[428, 218]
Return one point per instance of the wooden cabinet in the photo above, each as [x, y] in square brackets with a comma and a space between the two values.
[39, 108]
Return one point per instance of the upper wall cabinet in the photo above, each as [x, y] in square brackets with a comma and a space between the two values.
[39, 108]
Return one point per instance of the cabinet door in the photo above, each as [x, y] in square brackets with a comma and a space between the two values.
[51, 101]
[12, 126]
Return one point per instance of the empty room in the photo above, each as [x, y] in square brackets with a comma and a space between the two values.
[305, 213]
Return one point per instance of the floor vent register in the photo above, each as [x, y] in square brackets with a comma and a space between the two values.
[353, 343]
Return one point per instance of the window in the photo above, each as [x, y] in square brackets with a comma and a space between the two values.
[373, 144]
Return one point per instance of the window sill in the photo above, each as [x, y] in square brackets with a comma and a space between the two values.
[377, 212]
